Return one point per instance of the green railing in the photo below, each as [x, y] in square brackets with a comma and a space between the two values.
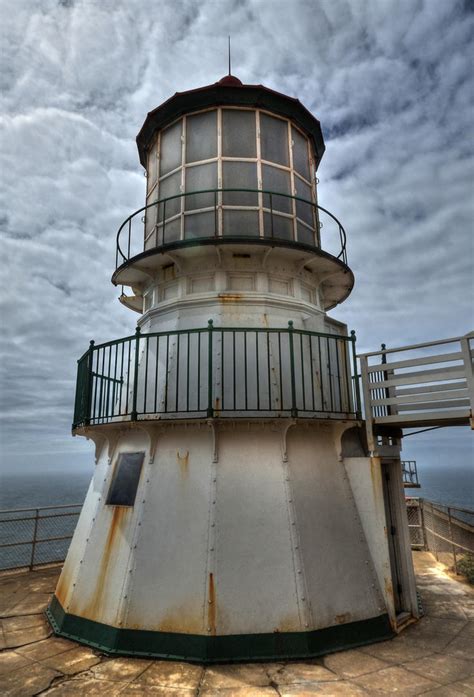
[229, 214]
[217, 372]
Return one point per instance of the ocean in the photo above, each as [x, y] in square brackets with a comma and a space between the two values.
[449, 485]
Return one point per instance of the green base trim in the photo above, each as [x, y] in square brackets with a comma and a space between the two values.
[217, 649]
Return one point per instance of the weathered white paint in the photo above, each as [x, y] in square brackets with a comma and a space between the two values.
[290, 548]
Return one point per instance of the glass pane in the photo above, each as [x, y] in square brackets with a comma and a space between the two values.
[171, 186]
[306, 235]
[241, 223]
[170, 148]
[238, 137]
[198, 178]
[239, 175]
[150, 215]
[124, 485]
[281, 228]
[304, 210]
[200, 225]
[152, 168]
[172, 232]
[276, 180]
[201, 136]
[300, 153]
[274, 139]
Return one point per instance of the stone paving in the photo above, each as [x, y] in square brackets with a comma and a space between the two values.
[432, 657]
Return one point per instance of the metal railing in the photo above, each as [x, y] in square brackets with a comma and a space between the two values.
[445, 531]
[278, 216]
[217, 372]
[410, 474]
[31, 537]
[429, 386]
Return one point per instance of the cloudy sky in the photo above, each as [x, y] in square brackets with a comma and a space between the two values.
[391, 82]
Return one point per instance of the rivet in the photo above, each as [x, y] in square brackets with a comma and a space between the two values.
[306, 624]
[212, 549]
[296, 547]
[130, 571]
[210, 602]
[303, 599]
[208, 629]
[299, 571]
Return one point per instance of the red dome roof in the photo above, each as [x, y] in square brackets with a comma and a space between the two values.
[230, 80]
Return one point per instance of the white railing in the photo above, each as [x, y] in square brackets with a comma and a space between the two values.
[429, 384]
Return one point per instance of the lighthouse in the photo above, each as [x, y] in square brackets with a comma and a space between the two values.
[235, 511]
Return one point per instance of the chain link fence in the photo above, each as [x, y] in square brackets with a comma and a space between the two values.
[445, 531]
[31, 537]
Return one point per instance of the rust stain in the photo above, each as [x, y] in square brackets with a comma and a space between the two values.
[229, 297]
[217, 406]
[288, 623]
[343, 618]
[94, 606]
[265, 319]
[183, 461]
[211, 606]
[184, 619]
[388, 587]
[63, 587]
[374, 476]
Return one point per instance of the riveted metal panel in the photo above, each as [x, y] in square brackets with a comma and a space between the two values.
[339, 575]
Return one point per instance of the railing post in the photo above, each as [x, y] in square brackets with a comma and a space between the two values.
[210, 409]
[294, 411]
[35, 535]
[469, 370]
[369, 422]
[358, 408]
[89, 383]
[134, 414]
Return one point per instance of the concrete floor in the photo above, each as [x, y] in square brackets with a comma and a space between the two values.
[433, 657]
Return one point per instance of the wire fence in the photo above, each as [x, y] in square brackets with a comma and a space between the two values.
[31, 537]
[445, 531]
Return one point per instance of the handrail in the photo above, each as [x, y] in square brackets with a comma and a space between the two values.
[217, 371]
[127, 223]
[412, 347]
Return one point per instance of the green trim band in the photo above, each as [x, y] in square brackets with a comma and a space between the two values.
[217, 649]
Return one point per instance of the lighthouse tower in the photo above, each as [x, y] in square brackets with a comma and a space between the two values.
[234, 512]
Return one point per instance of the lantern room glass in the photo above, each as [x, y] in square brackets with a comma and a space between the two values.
[220, 165]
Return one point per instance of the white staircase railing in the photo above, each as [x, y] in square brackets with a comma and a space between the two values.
[429, 384]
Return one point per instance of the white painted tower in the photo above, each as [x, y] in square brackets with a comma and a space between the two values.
[234, 513]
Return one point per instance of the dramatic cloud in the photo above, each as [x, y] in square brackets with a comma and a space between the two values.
[391, 82]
